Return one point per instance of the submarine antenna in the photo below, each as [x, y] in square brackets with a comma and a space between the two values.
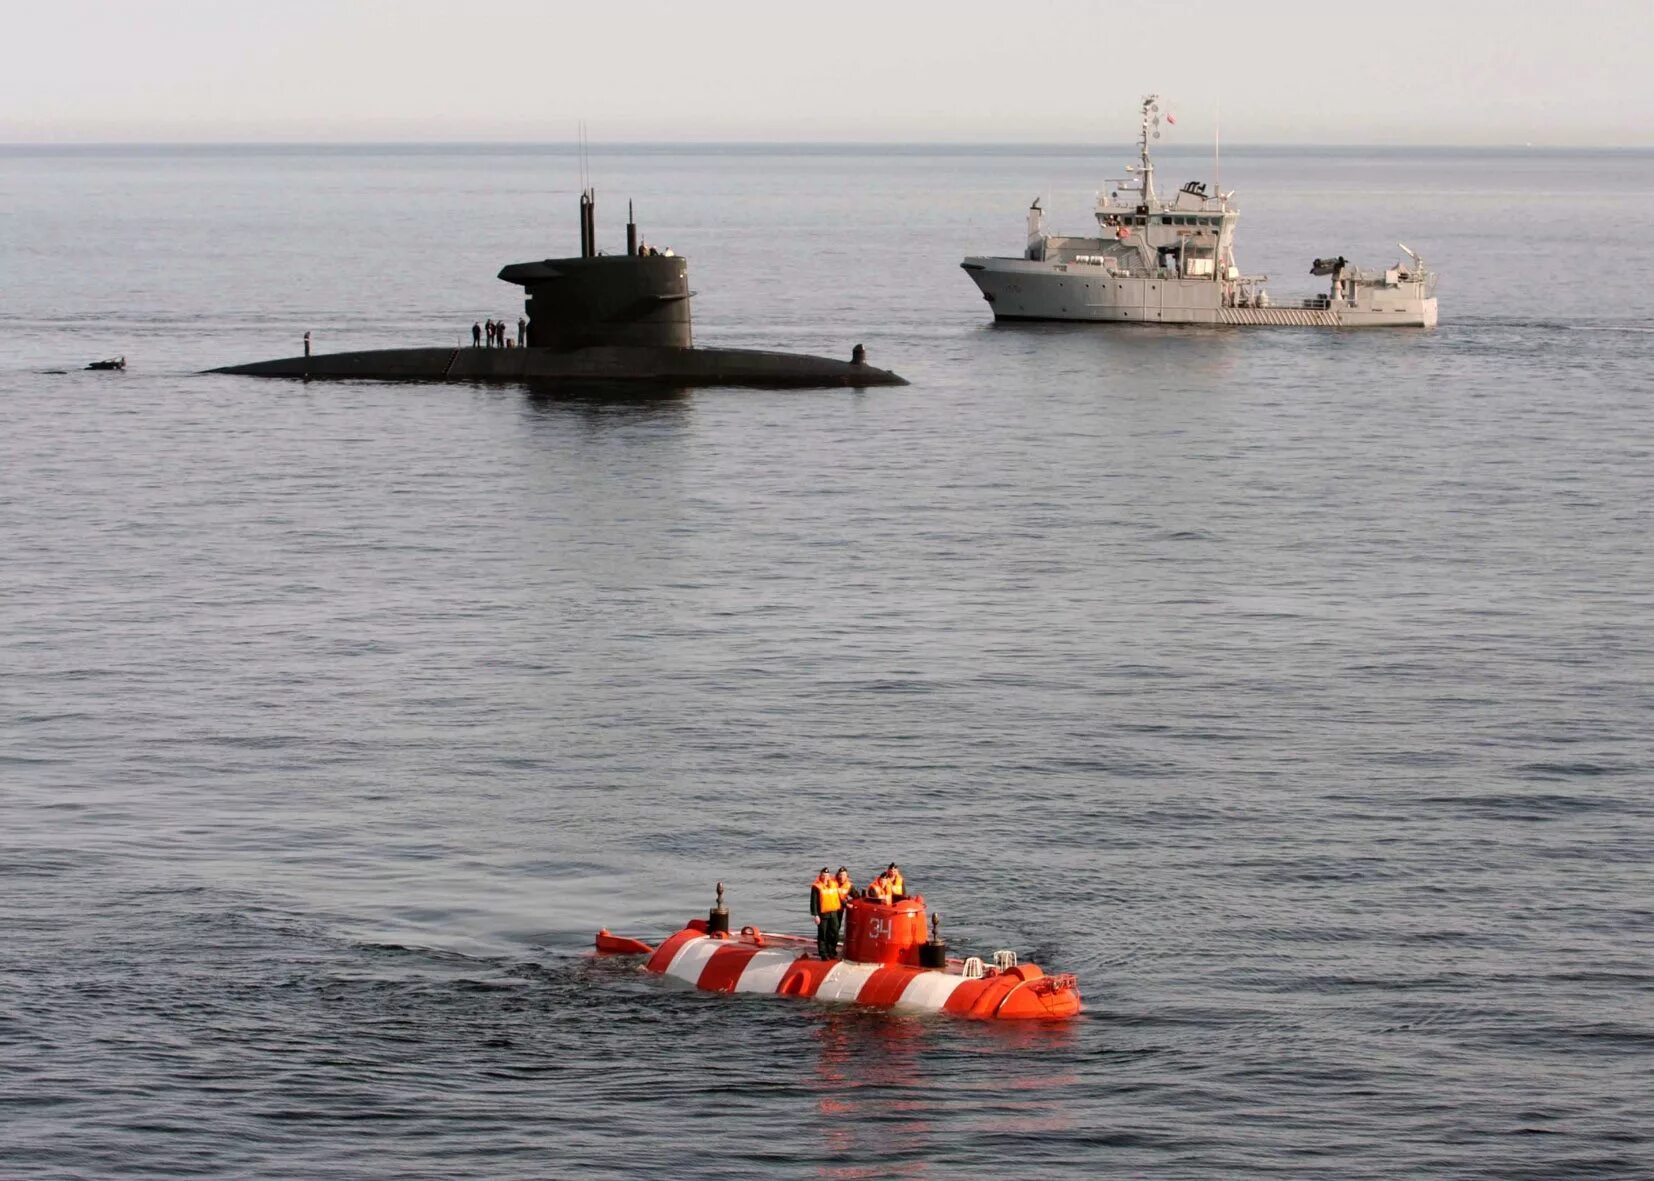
[631, 230]
[717, 919]
[580, 144]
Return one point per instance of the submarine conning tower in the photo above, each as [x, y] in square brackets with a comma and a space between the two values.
[634, 298]
[885, 932]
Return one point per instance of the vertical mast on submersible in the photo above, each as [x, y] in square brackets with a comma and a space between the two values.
[588, 223]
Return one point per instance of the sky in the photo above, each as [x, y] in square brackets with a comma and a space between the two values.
[1001, 71]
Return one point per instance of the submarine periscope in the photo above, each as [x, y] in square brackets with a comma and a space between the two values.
[592, 318]
[892, 961]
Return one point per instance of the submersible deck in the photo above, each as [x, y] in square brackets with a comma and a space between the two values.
[634, 364]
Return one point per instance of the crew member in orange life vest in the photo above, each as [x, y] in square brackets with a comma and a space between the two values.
[827, 906]
[879, 889]
[893, 879]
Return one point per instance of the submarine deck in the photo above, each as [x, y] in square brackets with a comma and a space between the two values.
[600, 363]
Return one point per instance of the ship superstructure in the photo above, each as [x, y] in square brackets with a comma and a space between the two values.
[1171, 260]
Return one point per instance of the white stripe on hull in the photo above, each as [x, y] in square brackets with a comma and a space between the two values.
[764, 971]
[928, 992]
[1280, 317]
[844, 981]
[691, 959]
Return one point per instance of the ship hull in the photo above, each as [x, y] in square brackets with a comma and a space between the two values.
[1025, 289]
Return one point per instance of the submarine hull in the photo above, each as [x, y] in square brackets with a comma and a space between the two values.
[888, 964]
[639, 364]
[769, 964]
[782, 965]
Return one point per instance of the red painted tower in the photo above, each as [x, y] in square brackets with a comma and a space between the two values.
[884, 933]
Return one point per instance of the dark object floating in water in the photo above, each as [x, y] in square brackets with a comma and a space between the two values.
[651, 364]
[595, 318]
[111, 363]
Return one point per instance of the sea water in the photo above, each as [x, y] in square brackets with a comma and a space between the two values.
[1292, 688]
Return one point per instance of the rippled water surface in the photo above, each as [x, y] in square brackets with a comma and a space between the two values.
[1293, 689]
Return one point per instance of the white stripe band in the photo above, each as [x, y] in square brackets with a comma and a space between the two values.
[844, 981]
[692, 957]
[764, 971]
[927, 992]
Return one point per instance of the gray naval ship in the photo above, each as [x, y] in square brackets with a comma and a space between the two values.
[1172, 261]
[598, 318]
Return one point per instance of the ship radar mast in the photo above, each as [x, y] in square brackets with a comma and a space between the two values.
[1151, 128]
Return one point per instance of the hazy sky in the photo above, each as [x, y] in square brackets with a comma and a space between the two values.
[1383, 71]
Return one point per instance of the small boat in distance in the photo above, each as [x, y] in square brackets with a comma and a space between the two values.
[111, 363]
[1172, 261]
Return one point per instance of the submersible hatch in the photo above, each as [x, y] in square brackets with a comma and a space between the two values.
[888, 963]
[593, 318]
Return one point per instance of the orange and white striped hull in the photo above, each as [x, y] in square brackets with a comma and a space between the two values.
[779, 965]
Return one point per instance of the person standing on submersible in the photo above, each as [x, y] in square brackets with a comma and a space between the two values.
[893, 879]
[827, 907]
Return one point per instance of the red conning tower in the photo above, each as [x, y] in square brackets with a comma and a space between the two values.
[884, 932]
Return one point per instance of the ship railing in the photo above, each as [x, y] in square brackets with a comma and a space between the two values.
[1122, 272]
[1112, 265]
[1129, 201]
[1391, 277]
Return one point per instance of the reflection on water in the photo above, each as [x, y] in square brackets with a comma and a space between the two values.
[874, 1091]
[885, 1084]
[627, 396]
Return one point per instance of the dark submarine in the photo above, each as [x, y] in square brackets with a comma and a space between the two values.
[595, 318]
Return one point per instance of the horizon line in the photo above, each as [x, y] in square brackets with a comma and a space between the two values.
[614, 147]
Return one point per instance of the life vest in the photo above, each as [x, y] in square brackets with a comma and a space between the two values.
[828, 898]
[879, 890]
[895, 882]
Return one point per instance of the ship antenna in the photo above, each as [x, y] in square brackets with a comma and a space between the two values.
[1151, 111]
[1217, 159]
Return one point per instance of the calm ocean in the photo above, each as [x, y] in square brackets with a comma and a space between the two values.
[1292, 688]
